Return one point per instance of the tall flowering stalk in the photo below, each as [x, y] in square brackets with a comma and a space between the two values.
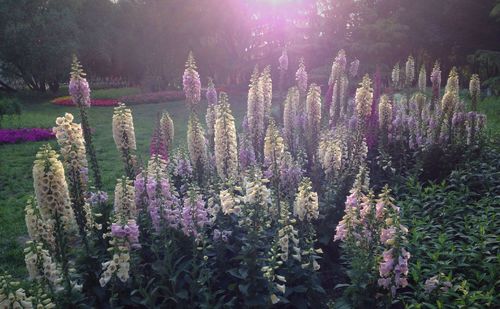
[436, 84]
[158, 145]
[385, 119]
[124, 136]
[255, 113]
[301, 77]
[395, 75]
[373, 243]
[353, 68]
[283, 68]
[474, 90]
[226, 148]
[246, 153]
[211, 112]
[54, 203]
[274, 149]
[80, 93]
[290, 116]
[197, 145]
[266, 84]
[422, 79]
[191, 83]
[194, 217]
[363, 100]
[124, 234]
[306, 209]
[338, 85]
[313, 111]
[70, 139]
[153, 189]
[452, 84]
[306, 206]
[409, 71]
[448, 105]
[167, 130]
[331, 149]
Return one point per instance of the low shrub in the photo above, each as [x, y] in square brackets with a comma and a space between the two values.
[453, 238]
[9, 107]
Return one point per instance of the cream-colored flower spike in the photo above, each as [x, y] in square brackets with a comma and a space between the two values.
[422, 79]
[290, 114]
[255, 110]
[266, 84]
[475, 90]
[51, 189]
[167, 129]
[274, 146]
[385, 113]
[70, 138]
[452, 84]
[395, 74]
[306, 205]
[364, 98]
[124, 206]
[123, 128]
[313, 110]
[226, 148]
[330, 152]
[410, 71]
[197, 145]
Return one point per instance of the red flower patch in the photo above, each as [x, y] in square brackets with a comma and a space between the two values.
[67, 101]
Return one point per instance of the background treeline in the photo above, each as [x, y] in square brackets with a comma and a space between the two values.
[147, 41]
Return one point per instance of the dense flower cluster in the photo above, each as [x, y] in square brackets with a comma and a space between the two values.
[12, 136]
[240, 220]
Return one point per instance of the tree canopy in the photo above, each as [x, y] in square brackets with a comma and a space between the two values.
[135, 39]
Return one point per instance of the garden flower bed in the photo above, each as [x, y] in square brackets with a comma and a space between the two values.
[12, 136]
[67, 101]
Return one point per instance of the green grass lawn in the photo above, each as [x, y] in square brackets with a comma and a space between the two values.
[16, 164]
